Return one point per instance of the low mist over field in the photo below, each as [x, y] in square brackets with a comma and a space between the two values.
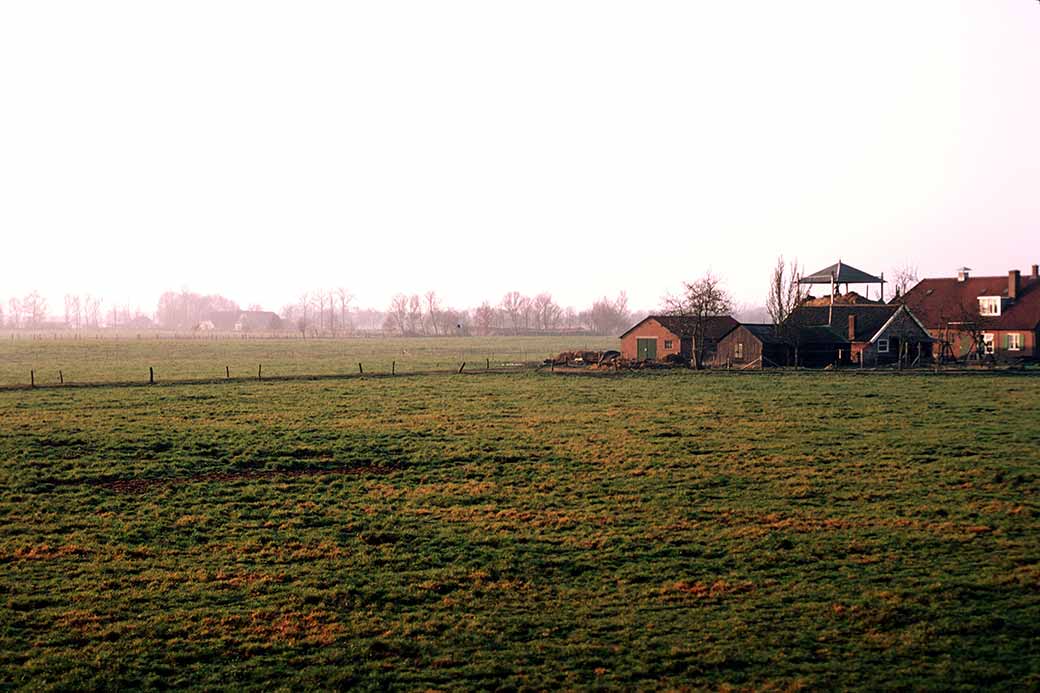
[259, 152]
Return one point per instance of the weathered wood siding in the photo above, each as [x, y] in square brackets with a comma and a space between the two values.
[726, 352]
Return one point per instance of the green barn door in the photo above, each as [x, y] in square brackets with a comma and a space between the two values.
[646, 349]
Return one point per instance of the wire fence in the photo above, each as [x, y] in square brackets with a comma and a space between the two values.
[68, 363]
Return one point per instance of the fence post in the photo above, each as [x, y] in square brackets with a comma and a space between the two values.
[360, 370]
[32, 378]
[227, 372]
[488, 367]
[151, 376]
[462, 366]
[61, 378]
[393, 368]
[259, 371]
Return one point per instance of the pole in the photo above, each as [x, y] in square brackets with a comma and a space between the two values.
[830, 309]
[151, 376]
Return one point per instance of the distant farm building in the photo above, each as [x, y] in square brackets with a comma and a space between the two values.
[979, 317]
[658, 337]
[241, 321]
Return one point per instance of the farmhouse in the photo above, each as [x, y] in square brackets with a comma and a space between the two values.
[815, 336]
[977, 317]
[867, 334]
[658, 337]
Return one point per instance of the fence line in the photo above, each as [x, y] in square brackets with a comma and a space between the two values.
[150, 380]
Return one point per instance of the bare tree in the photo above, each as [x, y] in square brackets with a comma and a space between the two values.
[415, 315]
[569, 317]
[432, 309]
[345, 298]
[484, 318]
[303, 316]
[34, 307]
[904, 279]
[701, 300]
[453, 322]
[785, 295]
[784, 292]
[288, 313]
[321, 299]
[92, 310]
[512, 306]
[397, 315]
[967, 321]
[73, 312]
[547, 313]
[15, 311]
[607, 316]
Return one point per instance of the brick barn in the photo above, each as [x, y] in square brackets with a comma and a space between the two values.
[1003, 312]
[656, 337]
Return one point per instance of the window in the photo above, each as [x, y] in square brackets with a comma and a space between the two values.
[882, 345]
[1013, 341]
[667, 344]
[987, 342]
[989, 305]
[738, 350]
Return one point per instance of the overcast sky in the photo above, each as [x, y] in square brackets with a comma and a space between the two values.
[258, 149]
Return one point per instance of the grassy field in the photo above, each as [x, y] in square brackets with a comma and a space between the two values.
[104, 359]
[529, 530]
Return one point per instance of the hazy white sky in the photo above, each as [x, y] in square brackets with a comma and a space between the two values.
[259, 149]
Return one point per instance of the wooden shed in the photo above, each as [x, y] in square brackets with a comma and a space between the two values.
[751, 346]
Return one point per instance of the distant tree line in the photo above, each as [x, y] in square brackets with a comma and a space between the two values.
[185, 310]
[514, 314]
[31, 312]
[331, 312]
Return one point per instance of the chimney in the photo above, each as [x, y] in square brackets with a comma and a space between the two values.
[852, 328]
[1014, 281]
[1036, 271]
[963, 273]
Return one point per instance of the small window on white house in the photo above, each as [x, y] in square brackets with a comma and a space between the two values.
[738, 350]
[987, 343]
[667, 344]
[882, 345]
[989, 305]
[1014, 341]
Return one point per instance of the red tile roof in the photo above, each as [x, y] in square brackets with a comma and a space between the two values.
[936, 302]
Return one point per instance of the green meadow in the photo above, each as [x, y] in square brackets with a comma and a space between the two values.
[522, 531]
[91, 358]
